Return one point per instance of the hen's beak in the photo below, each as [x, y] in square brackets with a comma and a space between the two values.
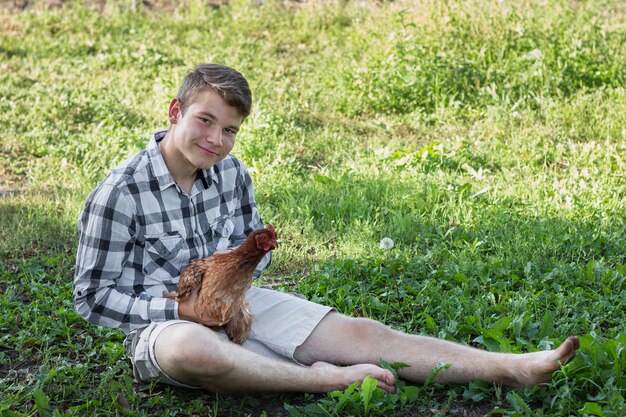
[273, 244]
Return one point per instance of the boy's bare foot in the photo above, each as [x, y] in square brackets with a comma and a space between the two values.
[536, 368]
[341, 377]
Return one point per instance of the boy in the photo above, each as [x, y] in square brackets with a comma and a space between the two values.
[185, 197]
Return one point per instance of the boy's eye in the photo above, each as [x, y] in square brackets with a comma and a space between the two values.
[206, 121]
[230, 131]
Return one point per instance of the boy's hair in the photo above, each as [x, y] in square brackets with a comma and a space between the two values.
[225, 81]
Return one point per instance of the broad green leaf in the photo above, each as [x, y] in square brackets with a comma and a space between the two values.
[42, 401]
[501, 324]
[310, 410]
[518, 403]
[492, 344]
[440, 366]
[547, 325]
[429, 322]
[367, 390]
[592, 409]
[345, 396]
[589, 271]
[410, 392]
[461, 278]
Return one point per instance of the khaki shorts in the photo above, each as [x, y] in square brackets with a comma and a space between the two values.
[282, 322]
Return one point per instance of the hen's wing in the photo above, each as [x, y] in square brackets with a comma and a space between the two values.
[190, 279]
[238, 328]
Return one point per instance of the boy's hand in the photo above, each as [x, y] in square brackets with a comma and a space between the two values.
[186, 311]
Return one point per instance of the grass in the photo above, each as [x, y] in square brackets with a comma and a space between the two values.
[487, 139]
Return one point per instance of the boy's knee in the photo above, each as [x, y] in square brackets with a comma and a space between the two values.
[192, 353]
[368, 329]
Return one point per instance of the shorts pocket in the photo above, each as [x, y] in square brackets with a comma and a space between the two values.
[143, 368]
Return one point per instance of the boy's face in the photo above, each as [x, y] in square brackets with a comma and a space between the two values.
[205, 133]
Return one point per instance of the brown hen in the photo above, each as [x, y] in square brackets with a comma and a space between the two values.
[224, 278]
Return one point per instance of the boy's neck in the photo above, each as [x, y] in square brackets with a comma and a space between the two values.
[174, 160]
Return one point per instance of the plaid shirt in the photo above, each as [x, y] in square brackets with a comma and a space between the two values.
[139, 229]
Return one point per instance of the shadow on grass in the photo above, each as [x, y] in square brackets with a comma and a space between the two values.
[34, 224]
[430, 216]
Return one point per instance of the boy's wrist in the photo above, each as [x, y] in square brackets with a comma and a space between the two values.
[161, 309]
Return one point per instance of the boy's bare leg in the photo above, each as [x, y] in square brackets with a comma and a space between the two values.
[195, 355]
[344, 340]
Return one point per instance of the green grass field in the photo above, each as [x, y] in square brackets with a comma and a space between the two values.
[486, 138]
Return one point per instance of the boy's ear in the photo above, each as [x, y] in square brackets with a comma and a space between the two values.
[174, 113]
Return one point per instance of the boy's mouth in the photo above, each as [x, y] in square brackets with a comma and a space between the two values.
[207, 151]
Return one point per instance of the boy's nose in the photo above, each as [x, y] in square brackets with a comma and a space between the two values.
[215, 137]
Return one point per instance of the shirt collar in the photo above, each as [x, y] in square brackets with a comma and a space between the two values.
[163, 175]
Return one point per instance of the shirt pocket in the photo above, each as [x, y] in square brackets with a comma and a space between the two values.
[163, 256]
[220, 231]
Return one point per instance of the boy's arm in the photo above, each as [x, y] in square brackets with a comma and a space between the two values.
[106, 237]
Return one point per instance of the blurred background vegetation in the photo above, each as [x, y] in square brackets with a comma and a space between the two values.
[486, 138]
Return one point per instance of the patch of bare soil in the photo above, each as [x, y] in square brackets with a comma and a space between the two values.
[17, 6]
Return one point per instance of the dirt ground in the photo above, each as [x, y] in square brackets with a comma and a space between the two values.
[17, 6]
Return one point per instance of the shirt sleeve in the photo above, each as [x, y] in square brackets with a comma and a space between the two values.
[247, 215]
[106, 231]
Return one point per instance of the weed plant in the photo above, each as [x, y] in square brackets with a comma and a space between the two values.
[487, 139]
